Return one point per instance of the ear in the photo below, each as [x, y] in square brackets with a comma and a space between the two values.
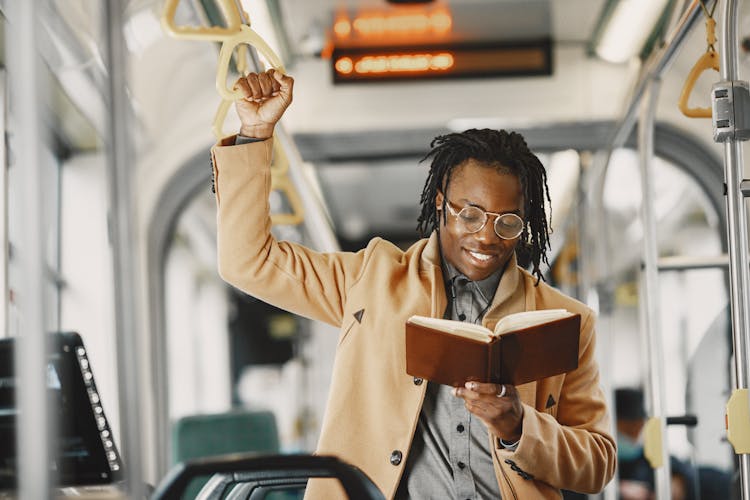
[439, 201]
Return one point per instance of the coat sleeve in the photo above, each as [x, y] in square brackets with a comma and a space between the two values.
[284, 274]
[574, 450]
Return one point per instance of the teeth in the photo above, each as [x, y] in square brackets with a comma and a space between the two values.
[480, 256]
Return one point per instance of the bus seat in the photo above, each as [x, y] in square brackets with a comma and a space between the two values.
[236, 431]
[210, 435]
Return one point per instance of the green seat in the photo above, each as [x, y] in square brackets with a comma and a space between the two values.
[236, 431]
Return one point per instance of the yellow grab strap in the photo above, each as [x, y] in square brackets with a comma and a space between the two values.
[217, 126]
[231, 16]
[239, 35]
[246, 35]
[709, 60]
[738, 421]
[281, 183]
[652, 442]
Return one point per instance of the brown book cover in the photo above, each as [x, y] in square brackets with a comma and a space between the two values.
[514, 357]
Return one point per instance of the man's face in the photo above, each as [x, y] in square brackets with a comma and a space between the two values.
[478, 255]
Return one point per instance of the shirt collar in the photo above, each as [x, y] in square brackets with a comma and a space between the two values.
[486, 286]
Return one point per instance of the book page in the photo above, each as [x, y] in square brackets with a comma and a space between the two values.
[460, 328]
[517, 321]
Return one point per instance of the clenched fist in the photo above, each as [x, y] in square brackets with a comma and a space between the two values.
[266, 97]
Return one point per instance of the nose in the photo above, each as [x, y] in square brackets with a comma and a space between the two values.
[487, 233]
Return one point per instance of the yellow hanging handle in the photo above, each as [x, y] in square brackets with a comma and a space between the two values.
[239, 35]
[738, 421]
[231, 16]
[652, 442]
[282, 184]
[246, 35]
[217, 126]
[241, 40]
[709, 60]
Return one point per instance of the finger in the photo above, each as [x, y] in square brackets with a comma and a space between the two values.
[244, 88]
[266, 85]
[480, 407]
[467, 392]
[274, 82]
[286, 82]
[255, 89]
[481, 388]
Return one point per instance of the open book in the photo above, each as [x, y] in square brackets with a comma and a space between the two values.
[523, 347]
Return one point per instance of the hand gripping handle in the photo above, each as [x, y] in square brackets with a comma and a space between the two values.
[248, 36]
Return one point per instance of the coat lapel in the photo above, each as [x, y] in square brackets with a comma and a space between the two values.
[432, 265]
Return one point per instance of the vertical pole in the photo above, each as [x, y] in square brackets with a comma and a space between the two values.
[27, 91]
[4, 296]
[656, 393]
[122, 216]
[739, 262]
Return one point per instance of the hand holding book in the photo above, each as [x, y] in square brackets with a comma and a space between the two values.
[523, 347]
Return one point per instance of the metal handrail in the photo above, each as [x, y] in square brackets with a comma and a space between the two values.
[739, 260]
[656, 444]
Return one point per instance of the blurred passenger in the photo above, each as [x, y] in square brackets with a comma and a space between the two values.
[482, 205]
[635, 473]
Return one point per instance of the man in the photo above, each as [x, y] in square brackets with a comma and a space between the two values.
[482, 204]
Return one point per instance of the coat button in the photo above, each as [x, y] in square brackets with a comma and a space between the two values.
[396, 457]
[418, 381]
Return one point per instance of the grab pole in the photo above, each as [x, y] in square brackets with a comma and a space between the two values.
[656, 445]
[30, 316]
[730, 109]
[121, 153]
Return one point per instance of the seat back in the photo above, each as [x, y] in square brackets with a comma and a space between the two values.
[252, 477]
[237, 431]
[211, 435]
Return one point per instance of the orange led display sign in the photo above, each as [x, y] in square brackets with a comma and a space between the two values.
[376, 24]
[422, 42]
[361, 65]
[394, 63]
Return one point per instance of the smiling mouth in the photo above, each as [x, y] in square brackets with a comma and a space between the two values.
[482, 257]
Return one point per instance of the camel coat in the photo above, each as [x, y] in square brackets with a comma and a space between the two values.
[373, 405]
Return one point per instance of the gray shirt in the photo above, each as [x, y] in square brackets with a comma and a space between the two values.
[450, 455]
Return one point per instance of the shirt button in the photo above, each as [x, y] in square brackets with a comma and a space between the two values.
[418, 381]
[460, 427]
[396, 457]
[461, 465]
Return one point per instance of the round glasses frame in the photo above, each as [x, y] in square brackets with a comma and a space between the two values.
[507, 226]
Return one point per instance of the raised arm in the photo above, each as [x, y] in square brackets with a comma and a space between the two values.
[287, 275]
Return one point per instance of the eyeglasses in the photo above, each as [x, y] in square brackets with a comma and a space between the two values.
[473, 219]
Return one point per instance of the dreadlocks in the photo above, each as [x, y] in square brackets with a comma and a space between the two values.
[508, 153]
